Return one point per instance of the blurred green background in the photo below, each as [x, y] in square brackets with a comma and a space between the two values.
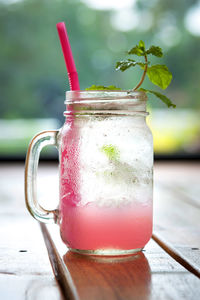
[33, 77]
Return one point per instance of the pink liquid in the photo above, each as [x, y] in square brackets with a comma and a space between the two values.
[91, 227]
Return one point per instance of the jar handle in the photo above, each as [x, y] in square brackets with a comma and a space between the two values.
[41, 140]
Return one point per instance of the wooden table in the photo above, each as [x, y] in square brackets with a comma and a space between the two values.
[168, 268]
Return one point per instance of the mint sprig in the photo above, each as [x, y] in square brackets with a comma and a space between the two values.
[157, 74]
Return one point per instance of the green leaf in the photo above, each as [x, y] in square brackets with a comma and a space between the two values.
[141, 45]
[111, 152]
[162, 97]
[123, 65]
[154, 50]
[138, 50]
[101, 87]
[127, 63]
[159, 75]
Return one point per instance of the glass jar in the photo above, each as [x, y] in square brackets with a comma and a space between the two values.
[106, 166]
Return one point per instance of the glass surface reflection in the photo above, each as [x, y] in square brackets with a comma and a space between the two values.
[110, 277]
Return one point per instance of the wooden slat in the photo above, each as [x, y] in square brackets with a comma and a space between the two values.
[186, 256]
[151, 274]
[189, 192]
[176, 215]
[25, 271]
[28, 287]
[183, 178]
[56, 258]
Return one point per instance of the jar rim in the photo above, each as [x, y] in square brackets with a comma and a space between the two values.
[73, 97]
[106, 102]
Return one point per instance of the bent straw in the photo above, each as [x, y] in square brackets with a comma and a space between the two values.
[67, 53]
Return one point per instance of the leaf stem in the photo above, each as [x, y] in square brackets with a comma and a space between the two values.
[144, 73]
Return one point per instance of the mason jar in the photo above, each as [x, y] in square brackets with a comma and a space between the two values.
[105, 173]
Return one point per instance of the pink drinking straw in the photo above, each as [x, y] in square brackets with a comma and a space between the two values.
[67, 53]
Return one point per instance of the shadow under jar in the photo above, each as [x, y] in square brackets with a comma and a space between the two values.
[106, 167]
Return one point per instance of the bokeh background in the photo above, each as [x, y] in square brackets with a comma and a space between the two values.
[33, 78]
